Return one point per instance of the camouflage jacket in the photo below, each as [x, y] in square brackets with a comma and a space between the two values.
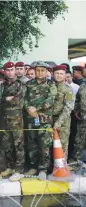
[63, 104]
[80, 103]
[42, 97]
[15, 88]
[23, 80]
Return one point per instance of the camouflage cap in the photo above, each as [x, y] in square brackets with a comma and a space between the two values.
[42, 64]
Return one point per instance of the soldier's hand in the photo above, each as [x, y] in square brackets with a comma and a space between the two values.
[32, 111]
[9, 98]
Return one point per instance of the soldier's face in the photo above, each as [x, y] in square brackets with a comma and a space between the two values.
[41, 72]
[68, 78]
[10, 72]
[48, 75]
[20, 71]
[31, 74]
[76, 73]
[59, 75]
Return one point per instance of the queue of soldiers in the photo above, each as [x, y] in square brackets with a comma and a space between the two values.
[32, 101]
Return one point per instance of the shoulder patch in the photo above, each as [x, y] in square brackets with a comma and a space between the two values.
[69, 96]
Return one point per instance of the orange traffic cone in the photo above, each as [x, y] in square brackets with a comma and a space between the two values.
[60, 165]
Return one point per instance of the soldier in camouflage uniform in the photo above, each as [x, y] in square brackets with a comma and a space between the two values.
[77, 74]
[2, 80]
[2, 158]
[20, 73]
[12, 141]
[39, 104]
[63, 105]
[80, 112]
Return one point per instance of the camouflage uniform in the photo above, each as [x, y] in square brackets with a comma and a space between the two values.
[23, 80]
[1, 108]
[80, 106]
[1, 91]
[63, 105]
[12, 141]
[2, 158]
[40, 96]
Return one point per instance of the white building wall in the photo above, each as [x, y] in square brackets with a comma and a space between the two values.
[76, 20]
[54, 46]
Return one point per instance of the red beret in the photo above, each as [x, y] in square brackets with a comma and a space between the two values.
[78, 68]
[19, 64]
[8, 65]
[60, 67]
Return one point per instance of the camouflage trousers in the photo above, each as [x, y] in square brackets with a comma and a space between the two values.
[13, 143]
[80, 140]
[39, 145]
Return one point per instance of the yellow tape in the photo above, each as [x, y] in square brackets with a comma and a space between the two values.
[41, 129]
